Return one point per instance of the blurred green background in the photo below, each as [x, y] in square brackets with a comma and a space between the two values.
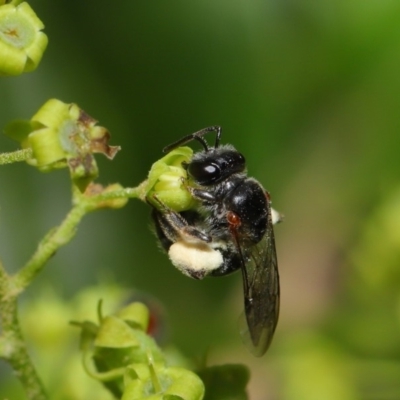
[309, 92]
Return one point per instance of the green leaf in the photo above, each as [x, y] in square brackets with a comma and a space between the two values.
[20, 129]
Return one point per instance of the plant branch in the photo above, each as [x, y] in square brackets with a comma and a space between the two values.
[15, 156]
[12, 345]
[61, 235]
[56, 238]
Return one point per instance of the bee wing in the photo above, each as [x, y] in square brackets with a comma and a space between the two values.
[261, 291]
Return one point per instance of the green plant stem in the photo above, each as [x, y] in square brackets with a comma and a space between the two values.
[15, 156]
[61, 235]
[55, 239]
[12, 345]
[137, 192]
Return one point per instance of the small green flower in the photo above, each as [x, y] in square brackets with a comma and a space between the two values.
[158, 382]
[118, 341]
[117, 344]
[165, 181]
[62, 135]
[136, 315]
[22, 42]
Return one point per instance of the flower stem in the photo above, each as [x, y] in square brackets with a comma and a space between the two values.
[15, 156]
[56, 238]
[61, 235]
[12, 345]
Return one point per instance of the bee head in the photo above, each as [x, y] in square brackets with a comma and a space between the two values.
[215, 165]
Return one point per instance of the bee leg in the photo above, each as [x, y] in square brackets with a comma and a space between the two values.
[175, 227]
[199, 194]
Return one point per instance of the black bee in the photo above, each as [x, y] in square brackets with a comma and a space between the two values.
[230, 229]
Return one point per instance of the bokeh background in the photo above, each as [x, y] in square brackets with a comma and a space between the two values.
[309, 92]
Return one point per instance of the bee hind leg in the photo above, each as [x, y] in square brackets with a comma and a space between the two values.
[175, 227]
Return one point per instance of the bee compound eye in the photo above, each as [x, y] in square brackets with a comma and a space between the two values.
[204, 173]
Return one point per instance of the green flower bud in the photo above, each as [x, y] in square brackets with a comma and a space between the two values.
[165, 181]
[158, 382]
[62, 135]
[117, 342]
[22, 43]
[114, 333]
[136, 315]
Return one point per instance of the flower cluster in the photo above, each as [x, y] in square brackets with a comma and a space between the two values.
[118, 352]
[62, 135]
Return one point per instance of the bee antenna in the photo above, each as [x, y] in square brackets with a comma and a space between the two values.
[199, 137]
